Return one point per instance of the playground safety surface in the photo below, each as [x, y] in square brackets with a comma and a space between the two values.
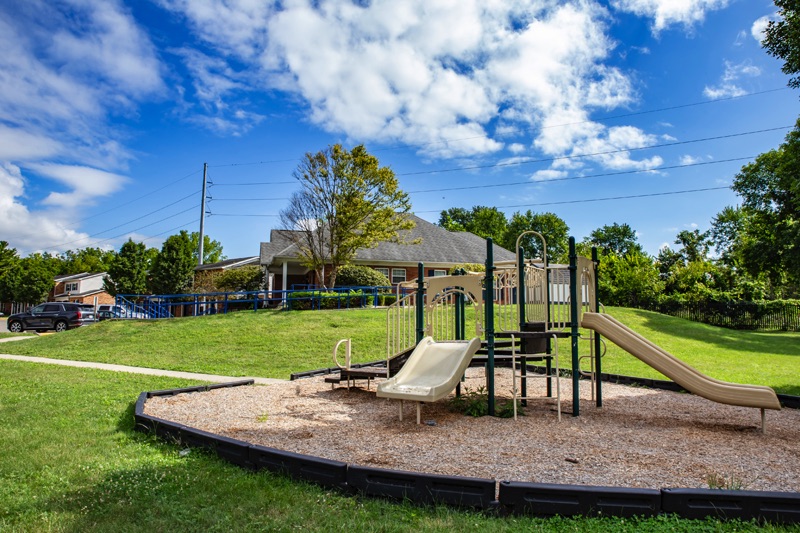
[639, 438]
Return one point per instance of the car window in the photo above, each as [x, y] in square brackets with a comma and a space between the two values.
[51, 308]
[38, 309]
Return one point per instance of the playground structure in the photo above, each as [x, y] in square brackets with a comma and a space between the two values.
[536, 304]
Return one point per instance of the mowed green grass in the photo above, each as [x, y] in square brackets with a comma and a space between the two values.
[70, 461]
[277, 343]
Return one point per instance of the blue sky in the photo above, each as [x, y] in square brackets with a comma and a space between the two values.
[598, 111]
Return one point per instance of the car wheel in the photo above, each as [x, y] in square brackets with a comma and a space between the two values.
[61, 326]
[15, 327]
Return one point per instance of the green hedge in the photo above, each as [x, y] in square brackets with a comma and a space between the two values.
[305, 300]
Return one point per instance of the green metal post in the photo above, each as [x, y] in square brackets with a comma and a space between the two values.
[575, 334]
[420, 302]
[597, 345]
[521, 290]
[489, 288]
[522, 321]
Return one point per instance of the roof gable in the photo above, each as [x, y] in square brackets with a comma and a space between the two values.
[437, 245]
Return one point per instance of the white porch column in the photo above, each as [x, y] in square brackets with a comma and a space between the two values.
[284, 281]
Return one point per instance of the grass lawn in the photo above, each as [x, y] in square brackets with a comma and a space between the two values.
[70, 461]
[276, 343]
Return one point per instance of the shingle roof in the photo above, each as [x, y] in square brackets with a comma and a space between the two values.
[437, 245]
[229, 263]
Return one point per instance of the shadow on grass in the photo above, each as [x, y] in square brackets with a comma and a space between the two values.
[779, 343]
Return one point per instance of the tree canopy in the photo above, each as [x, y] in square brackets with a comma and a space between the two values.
[173, 268]
[485, 222]
[782, 39]
[346, 201]
[768, 228]
[552, 227]
[616, 239]
[127, 273]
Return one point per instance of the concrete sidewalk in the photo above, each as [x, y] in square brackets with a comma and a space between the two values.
[135, 369]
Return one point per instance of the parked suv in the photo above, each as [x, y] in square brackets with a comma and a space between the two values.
[59, 316]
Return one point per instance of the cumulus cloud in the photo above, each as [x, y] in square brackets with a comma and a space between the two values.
[668, 12]
[548, 174]
[728, 85]
[31, 231]
[66, 68]
[759, 27]
[83, 183]
[451, 77]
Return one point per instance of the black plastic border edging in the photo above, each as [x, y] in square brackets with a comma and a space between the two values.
[517, 498]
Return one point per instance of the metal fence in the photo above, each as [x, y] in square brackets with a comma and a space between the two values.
[764, 316]
[211, 303]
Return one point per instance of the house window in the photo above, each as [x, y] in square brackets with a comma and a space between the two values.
[398, 275]
[439, 273]
[72, 287]
[384, 271]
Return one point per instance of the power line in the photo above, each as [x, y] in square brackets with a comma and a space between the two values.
[147, 214]
[595, 154]
[569, 178]
[135, 199]
[588, 200]
[127, 232]
[610, 198]
[522, 130]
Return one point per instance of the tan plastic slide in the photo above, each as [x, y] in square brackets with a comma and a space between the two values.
[432, 371]
[684, 375]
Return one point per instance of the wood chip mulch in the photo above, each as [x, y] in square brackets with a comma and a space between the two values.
[639, 438]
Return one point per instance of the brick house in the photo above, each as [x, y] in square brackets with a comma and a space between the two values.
[81, 288]
[205, 275]
[439, 250]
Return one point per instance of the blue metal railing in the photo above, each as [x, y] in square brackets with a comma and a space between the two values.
[298, 298]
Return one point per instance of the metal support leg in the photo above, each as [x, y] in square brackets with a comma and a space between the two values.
[401, 410]
[419, 408]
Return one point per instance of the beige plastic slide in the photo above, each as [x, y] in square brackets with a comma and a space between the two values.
[684, 375]
[432, 371]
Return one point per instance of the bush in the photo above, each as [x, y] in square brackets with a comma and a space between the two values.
[469, 267]
[300, 301]
[360, 276]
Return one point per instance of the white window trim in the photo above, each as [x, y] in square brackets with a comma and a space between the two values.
[439, 272]
[384, 271]
[405, 275]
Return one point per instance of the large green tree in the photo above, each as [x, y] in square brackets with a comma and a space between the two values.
[552, 227]
[629, 280]
[346, 202]
[9, 261]
[173, 268]
[486, 222]
[769, 235]
[33, 277]
[90, 259]
[212, 250]
[616, 239]
[127, 273]
[782, 38]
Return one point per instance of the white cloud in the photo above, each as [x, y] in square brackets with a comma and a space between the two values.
[548, 174]
[434, 75]
[516, 148]
[759, 27]
[25, 230]
[84, 183]
[668, 12]
[729, 82]
[66, 67]
[690, 160]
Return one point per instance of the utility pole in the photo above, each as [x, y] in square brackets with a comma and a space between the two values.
[202, 215]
